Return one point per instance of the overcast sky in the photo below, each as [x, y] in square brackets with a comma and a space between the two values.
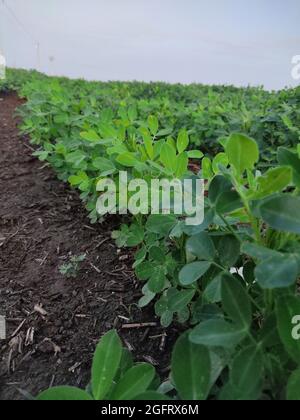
[207, 41]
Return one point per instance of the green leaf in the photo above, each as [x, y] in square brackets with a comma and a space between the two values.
[258, 251]
[135, 381]
[157, 280]
[90, 135]
[277, 272]
[178, 230]
[218, 363]
[268, 335]
[153, 124]
[275, 180]
[193, 272]
[61, 118]
[195, 154]
[236, 302]
[160, 224]
[184, 315]
[207, 171]
[191, 368]
[247, 369]
[182, 141]
[64, 393]
[132, 113]
[42, 155]
[242, 152]
[148, 142]
[128, 159]
[208, 220]
[106, 363]
[107, 131]
[140, 256]
[168, 157]
[135, 236]
[201, 246]
[182, 165]
[166, 319]
[227, 393]
[158, 168]
[147, 298]
[217, 187]
[229, 250]
[212, 293]
[282, 213]
[287, 308]
[152, 396]
[228, 202]
[85, 186]
[78, 179]
[217, 333]
[145, 270]
[149, 147]
[164, 132]
[230, 393]
[220, 159]
[157, 254]
[180, 300]
[104, 165]
[119, 149]
[171, 142]
[204, 312]
[75, 158]
[125, 364]
[287, 158]
[293, 388]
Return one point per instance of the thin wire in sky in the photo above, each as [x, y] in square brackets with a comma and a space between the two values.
[25, 30]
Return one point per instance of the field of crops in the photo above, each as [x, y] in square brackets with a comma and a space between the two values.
[229, 285]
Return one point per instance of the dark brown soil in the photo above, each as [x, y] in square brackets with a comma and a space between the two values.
[53, 322]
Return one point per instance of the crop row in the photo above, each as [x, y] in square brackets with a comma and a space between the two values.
[233, 280]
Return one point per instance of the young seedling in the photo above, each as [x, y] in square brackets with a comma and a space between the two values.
[72, 267]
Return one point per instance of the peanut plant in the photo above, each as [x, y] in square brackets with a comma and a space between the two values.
[231, 281]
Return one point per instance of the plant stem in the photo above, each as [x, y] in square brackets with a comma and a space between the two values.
[254, 222]
[230, 228]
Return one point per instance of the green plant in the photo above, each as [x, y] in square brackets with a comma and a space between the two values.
[114, 377]
[233, 281]
[197, 373]
[238, 281]
[71, 268]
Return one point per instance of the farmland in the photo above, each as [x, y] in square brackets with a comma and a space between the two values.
[217, 302]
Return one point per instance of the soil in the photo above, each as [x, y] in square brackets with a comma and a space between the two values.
[54, 322]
